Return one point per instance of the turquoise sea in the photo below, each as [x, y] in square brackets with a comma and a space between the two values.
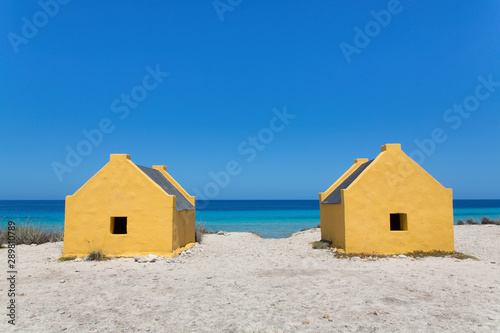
[269, 218]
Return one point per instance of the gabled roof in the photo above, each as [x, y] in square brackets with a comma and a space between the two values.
[335, 197]
[181, 203]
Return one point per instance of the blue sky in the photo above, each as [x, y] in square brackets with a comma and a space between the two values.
[354, 74]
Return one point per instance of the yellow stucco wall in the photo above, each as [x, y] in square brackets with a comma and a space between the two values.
[394, 183]
[332, 220]
[183, 230]
[120, 188]
[332, 224]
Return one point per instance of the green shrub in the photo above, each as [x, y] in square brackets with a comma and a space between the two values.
[414, 254]
[322, 244]
[440, 254]
[67, 258]
[368, 256]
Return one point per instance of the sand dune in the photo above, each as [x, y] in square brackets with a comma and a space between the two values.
[242, 283]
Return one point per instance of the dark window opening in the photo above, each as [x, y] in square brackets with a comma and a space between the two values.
[119, 225]
[399, 222]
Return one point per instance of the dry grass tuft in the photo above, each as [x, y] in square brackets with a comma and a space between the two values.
[487, 220]
[96, 255]
[199, 231]
[484, 220]
[31, 232]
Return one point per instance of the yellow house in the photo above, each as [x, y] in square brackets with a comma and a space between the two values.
[387, 205]
[126, 210]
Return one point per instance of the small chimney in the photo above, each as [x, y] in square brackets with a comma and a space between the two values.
[160, 167]
[391, 146]
[116, 157]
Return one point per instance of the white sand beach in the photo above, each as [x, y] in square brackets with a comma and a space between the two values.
[240, 282]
